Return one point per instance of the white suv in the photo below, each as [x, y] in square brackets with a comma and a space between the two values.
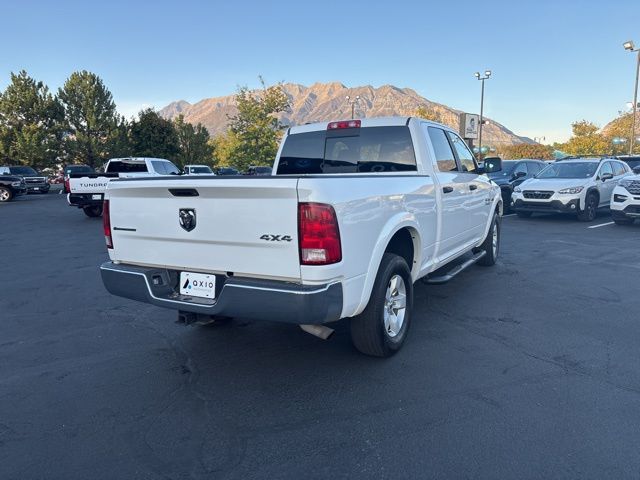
[576, 185]
[625, 202]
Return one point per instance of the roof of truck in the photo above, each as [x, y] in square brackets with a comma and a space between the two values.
[364, 122]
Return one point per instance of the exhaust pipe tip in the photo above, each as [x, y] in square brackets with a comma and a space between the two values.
[319, 331]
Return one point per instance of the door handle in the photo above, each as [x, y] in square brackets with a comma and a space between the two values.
[447, 189]
[473, 187]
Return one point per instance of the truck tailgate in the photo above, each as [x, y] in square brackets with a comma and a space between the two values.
[89, 183]
[247, 226]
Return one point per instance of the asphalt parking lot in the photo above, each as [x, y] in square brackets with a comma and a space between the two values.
[529, 369]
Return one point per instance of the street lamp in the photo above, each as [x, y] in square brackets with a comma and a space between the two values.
[487, 74]
[353, 104]
[631, 47]
[617, 141]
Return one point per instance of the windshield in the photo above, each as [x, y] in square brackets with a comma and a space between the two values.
[22, 171]
[349, 150]
[200, 170]
[569, 170]
[507, 169]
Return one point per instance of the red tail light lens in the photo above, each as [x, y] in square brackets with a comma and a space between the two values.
[67, 189]
[318, 234]
[106, 223]
[344, 124]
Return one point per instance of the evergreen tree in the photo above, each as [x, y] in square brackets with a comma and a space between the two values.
[193, 143]
[94, 129]
[30, 123]
[153, 136]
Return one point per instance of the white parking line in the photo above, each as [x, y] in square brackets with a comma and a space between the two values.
[602, 225]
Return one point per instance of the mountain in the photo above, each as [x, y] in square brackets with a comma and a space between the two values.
[327, 101]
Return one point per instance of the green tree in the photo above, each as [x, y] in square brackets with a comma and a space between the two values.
[255, 127]
[30, 123]
[153, 136]
[429, 113]
[224, 147]
[94, 128]
[586, 140]
[193, 143]
[526, 150]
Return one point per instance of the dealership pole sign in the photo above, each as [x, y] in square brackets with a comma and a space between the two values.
[469, 124]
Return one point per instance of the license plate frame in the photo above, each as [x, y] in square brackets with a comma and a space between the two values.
[200, 285]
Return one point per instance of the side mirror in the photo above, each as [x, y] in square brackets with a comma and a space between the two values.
[520, 174]
[606, 176]
[492, 164]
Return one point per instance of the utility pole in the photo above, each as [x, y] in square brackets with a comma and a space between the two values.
[487, 74]
[631, 47]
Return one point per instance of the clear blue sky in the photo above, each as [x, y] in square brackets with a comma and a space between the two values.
[553, 61]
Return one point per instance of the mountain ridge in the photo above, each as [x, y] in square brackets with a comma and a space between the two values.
[327, 101]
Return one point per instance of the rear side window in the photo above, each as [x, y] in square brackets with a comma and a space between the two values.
[444, 155]
[117, 166]
[350, 150]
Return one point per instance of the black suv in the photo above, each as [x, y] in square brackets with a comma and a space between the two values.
[513, 173]
[36, 183]
[632, 160]
[10, 186]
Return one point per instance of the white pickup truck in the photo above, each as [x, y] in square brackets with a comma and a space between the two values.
[86, 190]
[354, 213]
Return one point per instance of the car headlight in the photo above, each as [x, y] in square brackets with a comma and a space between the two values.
[571, 191]
[517, 189]
[625, 182]
[16, 184]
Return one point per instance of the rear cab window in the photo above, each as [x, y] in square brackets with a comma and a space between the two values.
[123, 166]
[349, 150]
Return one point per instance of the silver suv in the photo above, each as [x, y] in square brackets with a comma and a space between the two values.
[576, 185]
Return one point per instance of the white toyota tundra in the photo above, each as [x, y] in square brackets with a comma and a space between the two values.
[354, 213]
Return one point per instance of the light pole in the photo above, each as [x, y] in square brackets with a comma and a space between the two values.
[487, 74]
[353, 104]
[631, 47]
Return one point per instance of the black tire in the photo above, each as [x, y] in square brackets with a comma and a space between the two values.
[368, 332]
[95, 211]
[623, 221]
[524, 214]
[491, 251]
[590, 208]
[6, 195]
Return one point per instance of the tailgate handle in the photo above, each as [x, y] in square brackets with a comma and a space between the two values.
[184, 192]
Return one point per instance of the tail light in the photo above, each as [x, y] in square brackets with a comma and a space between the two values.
[318, 234]
[67, 188]
[344, 124]
[106, 223]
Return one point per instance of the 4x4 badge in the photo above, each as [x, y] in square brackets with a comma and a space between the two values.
[187, 218]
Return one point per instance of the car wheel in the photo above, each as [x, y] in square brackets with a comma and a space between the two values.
[491, 244]
[381, 329]
[94, 211]
[524, 214]
[623, 221]
[5, 194]
[590, 209]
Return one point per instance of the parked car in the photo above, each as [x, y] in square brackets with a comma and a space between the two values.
[198, 170]
[513, 173]
[86, 190]
[11, 186]
[625, 201]
[258, 171]
[76, 168]
[314, 242]
[578, 185]
[227, 171]
[632, 160]
[35, 182]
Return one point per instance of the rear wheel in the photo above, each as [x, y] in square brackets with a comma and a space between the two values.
[381, 329]
[5, 194]
[94, 211]
[491, 244]
[524, 214]
[590, 209]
